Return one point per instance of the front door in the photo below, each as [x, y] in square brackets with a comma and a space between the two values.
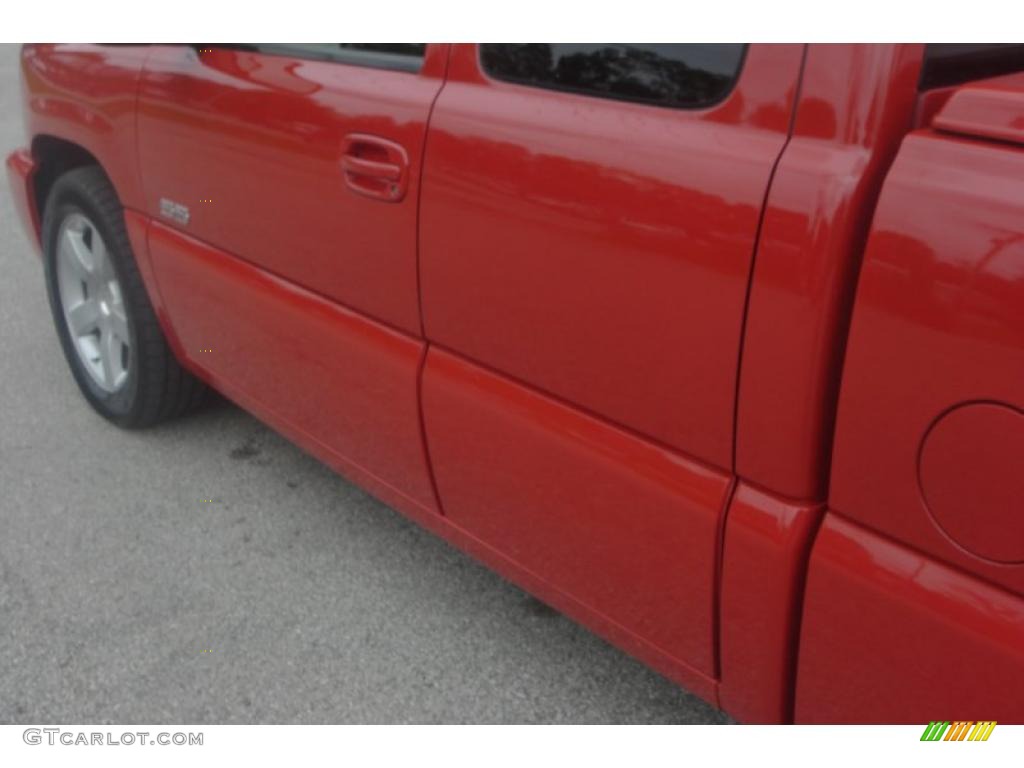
[282, 185]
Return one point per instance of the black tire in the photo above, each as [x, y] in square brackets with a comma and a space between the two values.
[156, 387]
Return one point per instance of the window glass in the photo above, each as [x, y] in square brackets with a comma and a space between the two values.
[399, 49]
[401, 56]
[668, 74]
[955, 63]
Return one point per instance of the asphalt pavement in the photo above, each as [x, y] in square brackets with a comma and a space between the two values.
[294, 598]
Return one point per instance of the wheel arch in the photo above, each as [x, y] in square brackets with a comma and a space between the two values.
[55, 156]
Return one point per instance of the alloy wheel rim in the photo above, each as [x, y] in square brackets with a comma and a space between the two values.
[93, 303]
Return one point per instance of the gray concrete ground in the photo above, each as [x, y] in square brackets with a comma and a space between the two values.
[296, 598]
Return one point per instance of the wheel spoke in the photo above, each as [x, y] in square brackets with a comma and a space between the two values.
[84, 317]
[75, 253]
[119, 324]
[109, 347]
[100, 261]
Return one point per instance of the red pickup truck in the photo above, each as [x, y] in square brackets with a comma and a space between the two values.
[718, 349]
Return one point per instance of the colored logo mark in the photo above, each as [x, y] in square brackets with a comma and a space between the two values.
[960, 730]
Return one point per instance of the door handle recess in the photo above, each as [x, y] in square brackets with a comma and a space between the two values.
[358, 166]
[375, 167]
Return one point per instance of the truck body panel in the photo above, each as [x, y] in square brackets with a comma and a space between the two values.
[738, 384]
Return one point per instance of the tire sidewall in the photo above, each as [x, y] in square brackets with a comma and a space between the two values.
[65, 199]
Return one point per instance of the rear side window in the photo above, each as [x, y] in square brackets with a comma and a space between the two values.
[956, 63]
[681, 75]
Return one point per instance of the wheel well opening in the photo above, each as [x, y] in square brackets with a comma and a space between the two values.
[55, 158]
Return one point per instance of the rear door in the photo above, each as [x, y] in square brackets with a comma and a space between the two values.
[588, 224]
[282, 184]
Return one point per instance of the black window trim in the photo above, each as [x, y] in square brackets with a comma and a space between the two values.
[494, 78]
[396, 62]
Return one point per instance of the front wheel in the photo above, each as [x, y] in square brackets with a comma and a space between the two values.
[107, 327]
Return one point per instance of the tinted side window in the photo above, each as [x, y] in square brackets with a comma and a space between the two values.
[955, 63]
[401, 56]
[398, 49]
[667, 74]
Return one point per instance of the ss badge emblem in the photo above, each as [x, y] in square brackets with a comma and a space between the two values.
[174, 211]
